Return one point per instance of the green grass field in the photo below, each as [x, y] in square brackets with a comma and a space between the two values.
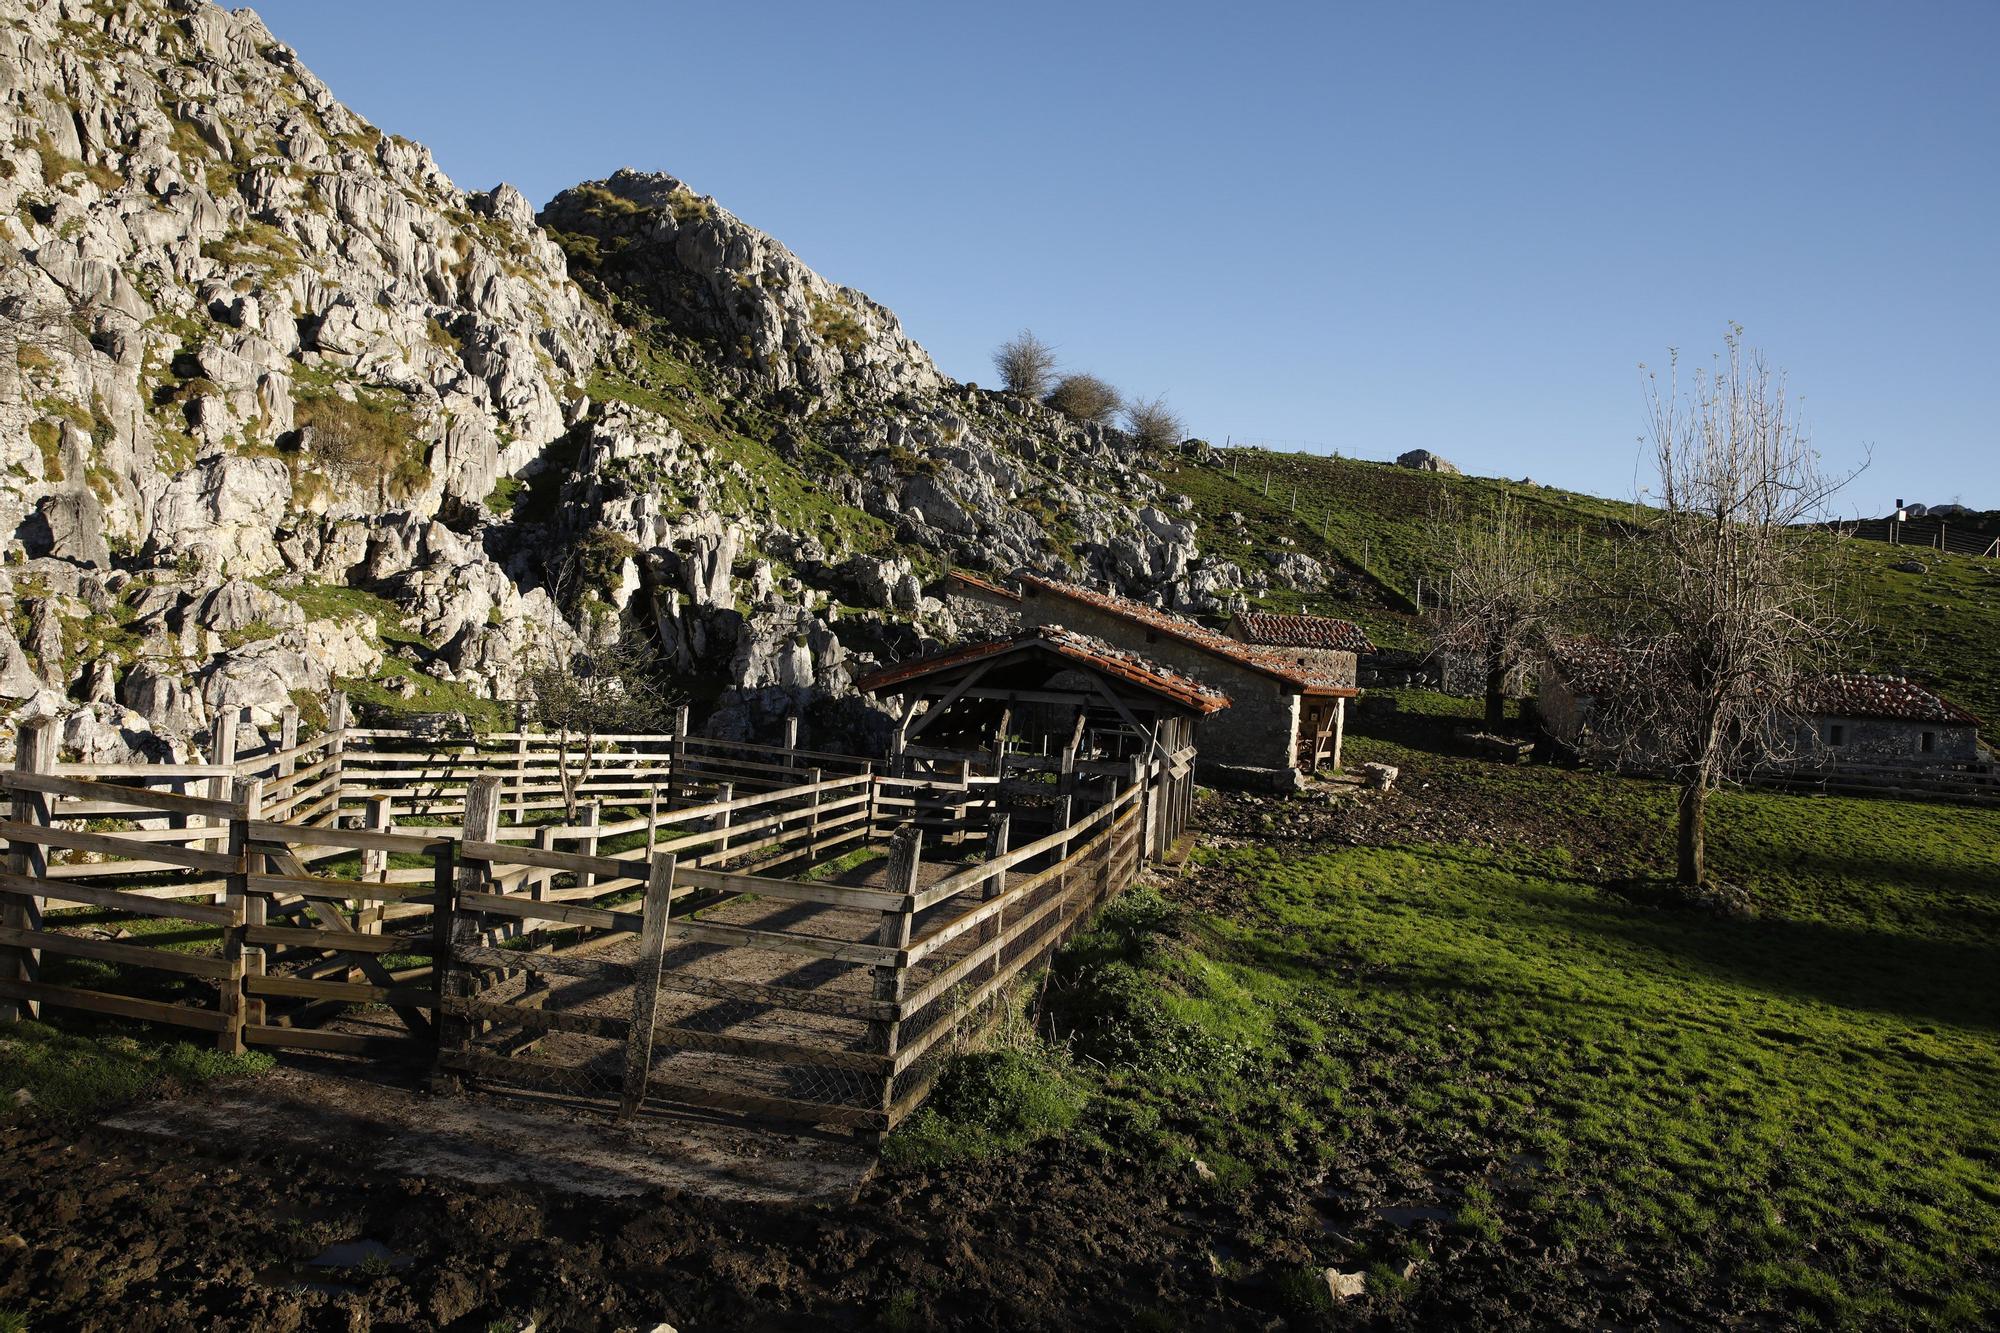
[1790, 1116]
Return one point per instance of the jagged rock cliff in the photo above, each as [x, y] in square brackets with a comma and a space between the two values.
[281, 406]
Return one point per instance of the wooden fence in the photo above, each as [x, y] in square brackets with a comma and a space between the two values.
[1961, 784]
[758, 929]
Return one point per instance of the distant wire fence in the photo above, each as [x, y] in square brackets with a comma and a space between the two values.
[1935, 534]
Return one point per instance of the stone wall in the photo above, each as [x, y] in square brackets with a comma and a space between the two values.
[1885, 741]
[1259, 729]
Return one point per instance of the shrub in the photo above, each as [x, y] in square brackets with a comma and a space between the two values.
[1153, 424]
[1027, 365]
[1085, 398]
[836, 324]
[366, 441]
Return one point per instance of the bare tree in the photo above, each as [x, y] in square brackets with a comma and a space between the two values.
[1085, 398]
[577, 694]
[1153, 424]
[1027, 365]
[1721, 603]
[1503, 583]
[599, 682]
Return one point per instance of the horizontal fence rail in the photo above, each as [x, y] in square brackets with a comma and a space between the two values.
[666, 920]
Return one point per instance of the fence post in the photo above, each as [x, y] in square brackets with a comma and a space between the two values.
[646, 982]
[520, 763]
[470, 875]
[233, 1000]
[1141, 773]
[256, 906]
[34, 752]
[814, 777]
[592, 812]
[375, 863]
[652, 817]
[538, 880]
[999, 830]
[791, 740]
[444, 910]
[288, 737]
[336, 750]
[725, 793]
[677, 757]
[906, 854]
[222, 751]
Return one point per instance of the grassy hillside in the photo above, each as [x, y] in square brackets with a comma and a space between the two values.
[1430, 1040]
[1372, 520]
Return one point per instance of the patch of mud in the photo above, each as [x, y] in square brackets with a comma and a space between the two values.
[481, 1139]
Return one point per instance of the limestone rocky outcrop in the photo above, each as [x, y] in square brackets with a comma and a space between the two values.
[271, 385]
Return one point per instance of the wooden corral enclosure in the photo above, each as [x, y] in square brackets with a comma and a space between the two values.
[757, 929]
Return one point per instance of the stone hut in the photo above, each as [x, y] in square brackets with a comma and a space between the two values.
[1288, 708]
[1843, 718]
[1884, 720]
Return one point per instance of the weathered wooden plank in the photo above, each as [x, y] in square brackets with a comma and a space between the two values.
[93, 789]
[120, 1006]
[337, 890]
[347, 992]
[521, 960]
[609, 1026]
[136, 955]
[529, 909]
[113, 845]
[64, 891]
[815, 946]
[303, 937]
[339, 1043]
[794, 891]
[351, 839]
[762, 1048]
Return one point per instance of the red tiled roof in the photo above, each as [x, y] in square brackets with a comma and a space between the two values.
[1309, 678]
[974, 581]
[1272, 629]
[1851, 694]
[1079, 648]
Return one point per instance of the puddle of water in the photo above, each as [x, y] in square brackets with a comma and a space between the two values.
[355, 1253]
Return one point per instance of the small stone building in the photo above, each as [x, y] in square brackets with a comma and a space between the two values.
[1884, 720]
[1288, 707]
[1321, 640]
[1852, 717]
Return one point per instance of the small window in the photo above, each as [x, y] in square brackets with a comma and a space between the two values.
[1930, 741]
[1836, 735]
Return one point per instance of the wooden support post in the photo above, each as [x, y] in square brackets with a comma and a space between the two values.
[470, 875]
[444, 909]
[906, 853]
[1142, 768]
[288, 736]
[872, 822]
[256, 906]
[653, 817]
[1339, 730]
[520, 763]
[539, 879]
[336, 751]
[999, 829]
[222, 751]
[677, 757]
[813, 778]
[232, 997]
[34, 752]
[646, 982]
[724, 794]
[374, 862]
[791, 740]
[592, 818]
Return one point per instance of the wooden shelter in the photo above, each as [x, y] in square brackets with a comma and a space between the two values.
[1053, 717]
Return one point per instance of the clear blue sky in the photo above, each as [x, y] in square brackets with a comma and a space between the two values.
[1368, 228]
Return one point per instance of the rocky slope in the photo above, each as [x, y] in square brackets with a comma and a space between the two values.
[282, 407]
